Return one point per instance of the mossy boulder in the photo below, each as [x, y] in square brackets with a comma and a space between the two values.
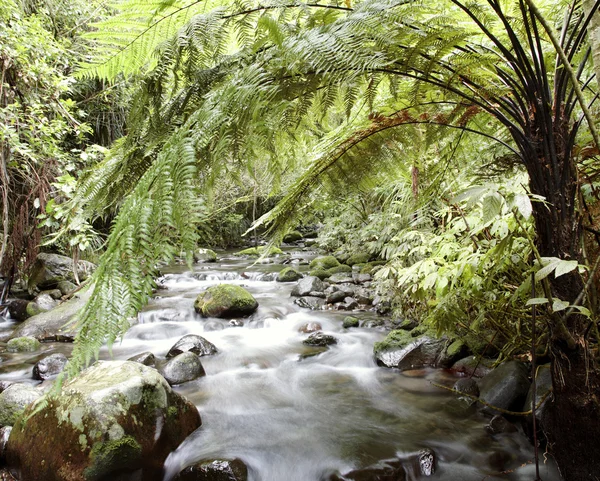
[206, 255]
[260, 251]
[23, 344]
[33, 309]
[289, 274]
[350, 321]
[293, 236]
[117, 418]
[225, 301]
[372, 267]
[50, 269]
[13, 401]
[361, 258]
[324, 262]
[396, 339]
[323, 274]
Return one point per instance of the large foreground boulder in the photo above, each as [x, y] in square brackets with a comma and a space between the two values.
[117, 420]
[50, 269]
[225, 301]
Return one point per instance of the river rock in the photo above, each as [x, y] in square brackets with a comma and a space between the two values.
[306, 285]
[310, 327]
[289, 274]
[45, 302]
[293, 236]
[215, 470]
[116, 420]
[17, 310]
[400, 350]
[55, 294]
[182, 368]
[54, 325]
[205, 255]
[505, 387]
[362, 278]
[192, 343]
[66, 287]
[145, 358]
[336, 296]
[467, 386]
[320, 339]
[350, 321]
[310, 302]
[13, 401]
[225, 301]
[23, 344]
[499, 425]
[324, 262]
[340, 278]
[50, 366]
[49, 269]
[472, 366]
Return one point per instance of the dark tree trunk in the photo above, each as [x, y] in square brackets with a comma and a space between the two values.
[571, 420]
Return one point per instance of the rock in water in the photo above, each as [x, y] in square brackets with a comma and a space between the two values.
[307, 285]
[289, 274]
[182, 368]
[505, 387]
[215, 470]
[225, 301]
[319, 339]
[50, 269]
[192, 343]
[50, 366]
[115, 418]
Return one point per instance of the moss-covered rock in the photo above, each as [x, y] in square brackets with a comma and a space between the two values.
[372, 267]
[33, 309]
[396, 339]
[13, 401]
[324, 262]
[225, 300]
[350, 321]
[260, 251]
[293, 236]
[50, 269]
[115, 418]
[206, 255]
[289, 274]
[361, 258]
[23, 344]
[326, 273]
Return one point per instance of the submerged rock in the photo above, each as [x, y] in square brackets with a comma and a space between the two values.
[192, 343]
[390, 470]
[117, 418]
[225, 301]
[205, 255]
[13, 401]
[310, 327]
[215, 470]
[182, 368]
[350, 321]
[50, 366]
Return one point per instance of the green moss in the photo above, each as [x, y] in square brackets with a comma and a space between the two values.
[361, 258]
[206, 255]
[292, 236]
[112, 456]
[225, 300]
[289, 274]
[456, 348]
[350, 321]
[372, 267]
[259, 251]
[325, 273]
[23, 344]
[320, 273]
[33, 309]
[324, 262]
[423, 330]
[339, 269]
[395, 339]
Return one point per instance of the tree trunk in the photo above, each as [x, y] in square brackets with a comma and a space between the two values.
[594, 35]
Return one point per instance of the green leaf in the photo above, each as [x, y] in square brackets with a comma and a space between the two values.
[492, 206]
[536, 301]
[565, 266]
[545, 271]
[523, 205]
[559, 305]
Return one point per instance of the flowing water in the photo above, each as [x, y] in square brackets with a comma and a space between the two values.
[295, 414]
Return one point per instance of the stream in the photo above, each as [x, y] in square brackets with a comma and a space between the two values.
[295, 414]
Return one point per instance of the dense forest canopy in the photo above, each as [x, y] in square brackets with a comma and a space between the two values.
[460, 136]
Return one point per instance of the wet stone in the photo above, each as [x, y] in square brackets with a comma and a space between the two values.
[193, 343]
[312, 303]
[350, 321]
[320, 339]
[50, 366]
[4, 434]
[17, 310]
[145, 358]
[499, 425]
[215, 470]
[337, 296]
[235, 323]
[310, 327]
[467, 386]
[182, 368]
[307, 285]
